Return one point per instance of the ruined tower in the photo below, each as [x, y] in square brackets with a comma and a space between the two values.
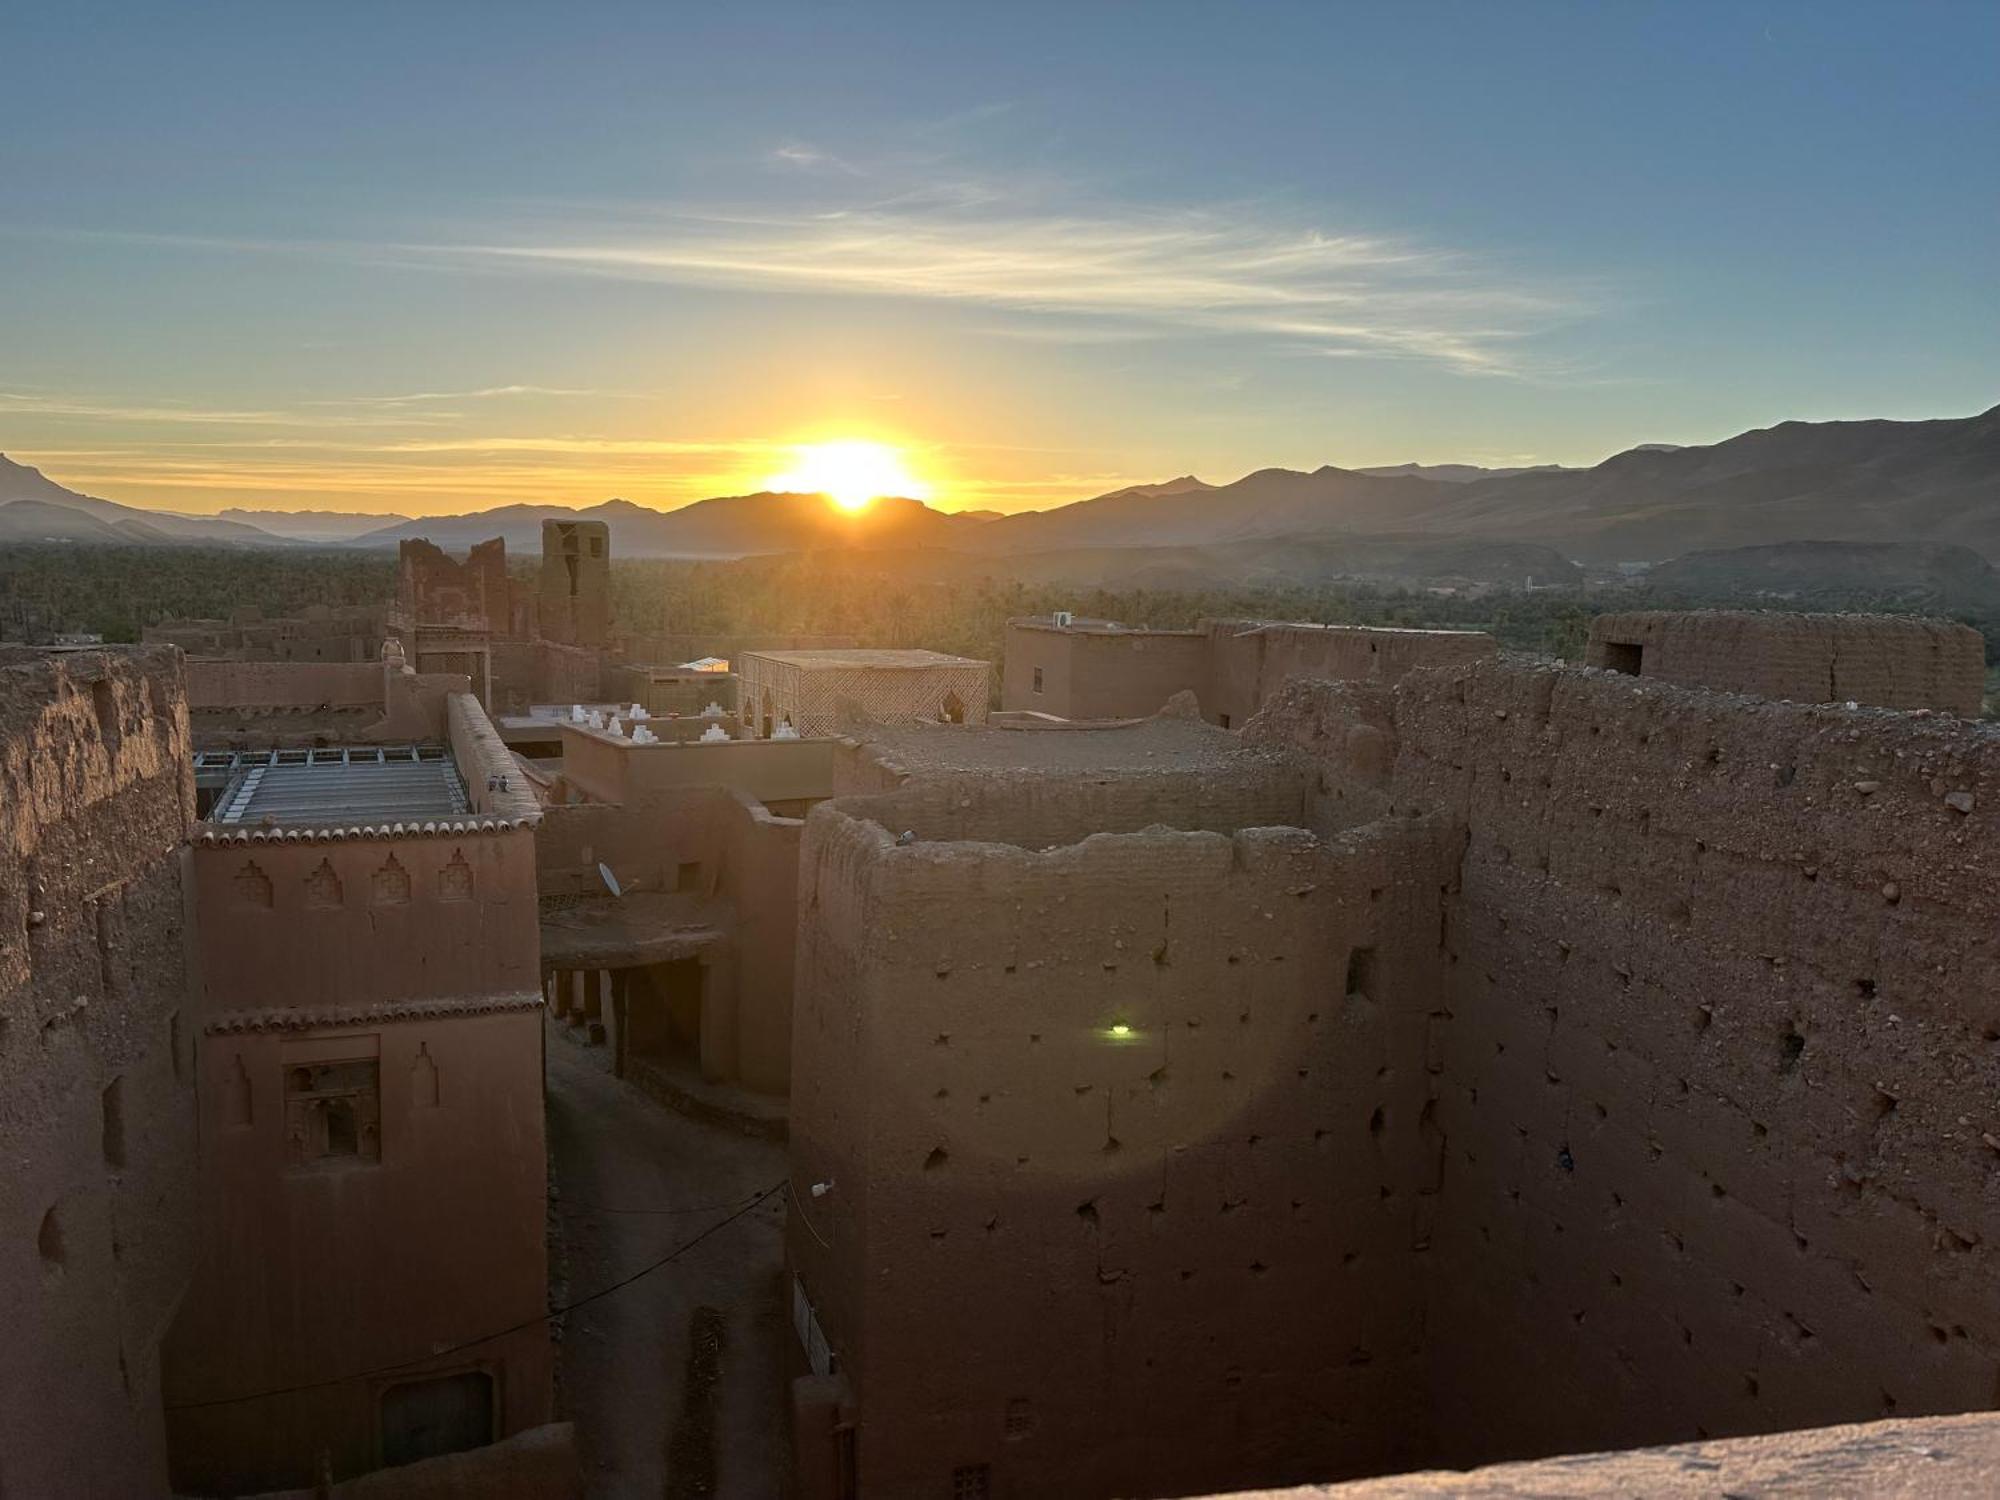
[575, 599]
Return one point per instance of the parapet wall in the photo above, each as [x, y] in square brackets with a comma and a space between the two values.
[1885, 660]
[96, 1064]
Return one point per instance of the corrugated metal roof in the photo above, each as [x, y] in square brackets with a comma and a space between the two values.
[356, 786]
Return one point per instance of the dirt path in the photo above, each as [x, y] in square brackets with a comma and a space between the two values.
[677, 1382]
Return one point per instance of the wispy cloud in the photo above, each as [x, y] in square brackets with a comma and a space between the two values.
[1105, 273]
[484, 393]
[1063, 264]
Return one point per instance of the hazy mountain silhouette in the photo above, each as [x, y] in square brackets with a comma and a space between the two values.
[729, 526]
[324, 527]
[20, 484]
[1822, 481]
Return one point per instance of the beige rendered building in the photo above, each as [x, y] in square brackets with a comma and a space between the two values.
[817, 691]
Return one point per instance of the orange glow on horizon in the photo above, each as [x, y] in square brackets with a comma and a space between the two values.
[852, 473]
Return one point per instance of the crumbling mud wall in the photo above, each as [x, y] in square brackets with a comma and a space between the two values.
[433, 588]
[1715, 1062]
[1886, 660]
[96, 1064]
[1123, 1133]
[1233, 667]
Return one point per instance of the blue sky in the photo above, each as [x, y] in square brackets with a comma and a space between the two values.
[432, 257]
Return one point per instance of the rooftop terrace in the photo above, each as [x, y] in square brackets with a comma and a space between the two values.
[304, 788]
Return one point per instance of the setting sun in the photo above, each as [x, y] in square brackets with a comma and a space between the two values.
[850, 474]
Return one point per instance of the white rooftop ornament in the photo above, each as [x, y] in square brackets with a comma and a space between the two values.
[713, 711]
[641, 735]
[784, 731]
[576, 713]
[638, 712]
[714, 734]
[617, 727]
[596, 719]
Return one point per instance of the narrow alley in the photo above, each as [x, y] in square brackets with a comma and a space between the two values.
[677, 1381]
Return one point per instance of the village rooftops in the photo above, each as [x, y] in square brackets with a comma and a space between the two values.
[865, 659]
[313, 788]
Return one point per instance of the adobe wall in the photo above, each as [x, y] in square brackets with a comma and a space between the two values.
[1105, 1262]
[324, 918]
[318, 1272]
[1249, 660]
[1886, 660]
[1098, 674]
[1909, 1459]
[574, 602]
[96, 1064]
[1716, 1069]
[216, 684]
[613, 769]
[748, 862]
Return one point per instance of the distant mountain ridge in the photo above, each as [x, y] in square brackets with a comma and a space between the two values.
[1457, 473]
[127, 524]
[1868, 481]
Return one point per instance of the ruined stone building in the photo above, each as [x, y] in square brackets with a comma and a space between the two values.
[1099, 669]
[470, 618]
[1506, 1060]
[575, 598]
[816, 692]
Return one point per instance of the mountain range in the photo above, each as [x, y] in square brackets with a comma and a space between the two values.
[1867, 481]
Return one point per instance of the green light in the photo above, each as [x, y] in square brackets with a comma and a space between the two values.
[1119, 1028]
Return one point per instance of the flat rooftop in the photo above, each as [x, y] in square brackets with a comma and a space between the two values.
[860, 657]
[1159, 744]
[306, 788]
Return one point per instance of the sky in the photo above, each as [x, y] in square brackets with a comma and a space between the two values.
[433, 258]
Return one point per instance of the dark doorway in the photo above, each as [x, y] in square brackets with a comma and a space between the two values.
[1628, 657]
[448, 1414]
[954, 709]
[663, 1012]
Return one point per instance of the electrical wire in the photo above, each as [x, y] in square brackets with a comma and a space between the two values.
[555, 1312]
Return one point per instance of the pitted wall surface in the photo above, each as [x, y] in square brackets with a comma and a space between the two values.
[1154, 1094]
[96, 1064]
[1719, 1076]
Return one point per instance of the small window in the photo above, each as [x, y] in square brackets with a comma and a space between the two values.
[687, 877]
[333, 1111]
[1628, 657]
[1038, 679]
[1223, 720]
[597, 546]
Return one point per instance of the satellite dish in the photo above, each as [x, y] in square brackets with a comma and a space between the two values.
[610, 880]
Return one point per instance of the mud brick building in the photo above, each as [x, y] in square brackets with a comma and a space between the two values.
[1887, 661]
